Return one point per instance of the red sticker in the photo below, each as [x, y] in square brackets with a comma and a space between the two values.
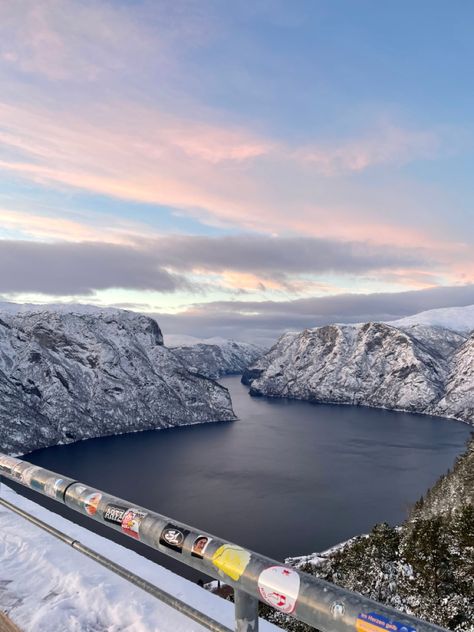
[279, 586]
[91, 503]
[131, 523]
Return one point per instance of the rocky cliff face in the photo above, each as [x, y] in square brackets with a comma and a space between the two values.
[418, 368]
[458, 397]
[217, 358]
[71, 376]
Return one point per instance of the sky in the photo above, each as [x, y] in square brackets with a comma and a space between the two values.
[238, 168]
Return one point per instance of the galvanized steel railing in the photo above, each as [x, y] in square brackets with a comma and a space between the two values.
[254, 577]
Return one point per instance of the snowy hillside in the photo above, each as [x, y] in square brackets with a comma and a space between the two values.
[423, 567]
[46, 585]
[417, 367]
[460, 319]
[450, 491]
[69, 376]
[213, 357]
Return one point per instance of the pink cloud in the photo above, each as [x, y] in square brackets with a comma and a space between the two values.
[222, 175]
[52, 228]
[79, 41]
[388, 144]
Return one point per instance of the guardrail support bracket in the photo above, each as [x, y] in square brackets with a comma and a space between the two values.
[246, 612]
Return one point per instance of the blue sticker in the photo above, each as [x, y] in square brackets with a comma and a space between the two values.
[373, 622]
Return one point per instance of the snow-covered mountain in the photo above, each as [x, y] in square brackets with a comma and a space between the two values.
[66, 376]
[214, 357]
[413, 367]
[460, 319]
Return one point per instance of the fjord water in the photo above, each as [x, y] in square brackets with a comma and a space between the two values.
[287, 478]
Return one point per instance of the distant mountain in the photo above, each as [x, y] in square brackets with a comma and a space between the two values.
[71, 375]
[460, 319]
[213, 357]
[413, 367]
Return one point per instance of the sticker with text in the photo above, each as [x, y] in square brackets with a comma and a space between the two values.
[91, 503]
[173, 537]
[373, 622]
[131, 522]
[200, 545]
[279, 586]
[231, 560]
[114, 513]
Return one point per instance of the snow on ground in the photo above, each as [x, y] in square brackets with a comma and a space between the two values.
[46, 586]
[460, 319]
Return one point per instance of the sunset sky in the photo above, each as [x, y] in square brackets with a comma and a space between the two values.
[238, 168]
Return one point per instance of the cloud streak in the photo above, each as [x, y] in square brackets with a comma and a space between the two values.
[169, 263]
[264, 321]
[61, 269]
[103, 99]
[222, 175]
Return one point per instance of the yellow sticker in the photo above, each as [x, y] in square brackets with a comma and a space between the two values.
[231, 560]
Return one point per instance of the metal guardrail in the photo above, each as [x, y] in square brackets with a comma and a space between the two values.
[162, 595]
[255, 578]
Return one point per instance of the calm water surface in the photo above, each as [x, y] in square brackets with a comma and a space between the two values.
[288, 478]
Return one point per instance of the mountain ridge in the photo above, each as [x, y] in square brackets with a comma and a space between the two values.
[416, 368]
[70, 376]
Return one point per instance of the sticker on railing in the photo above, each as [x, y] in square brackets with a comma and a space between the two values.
[173, 537]
[52, 487]
[373, 622]
[231, 560]
[91, 503]
[8, 462]
[16, 471]
[131, 522]
[279, 586]
[114, 513]
[27, 475]
[200, 545]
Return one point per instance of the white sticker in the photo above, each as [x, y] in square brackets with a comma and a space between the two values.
[279, 586]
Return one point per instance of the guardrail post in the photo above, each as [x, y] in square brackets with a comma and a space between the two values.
[246, 612]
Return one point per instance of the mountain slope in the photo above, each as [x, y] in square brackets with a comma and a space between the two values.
[451, 491]
[458, 398]
[215, 357]
[417, 368]
[70, 376]
[424, 567]
[460, 319]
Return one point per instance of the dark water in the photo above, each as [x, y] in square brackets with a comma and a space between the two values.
[288, 478]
